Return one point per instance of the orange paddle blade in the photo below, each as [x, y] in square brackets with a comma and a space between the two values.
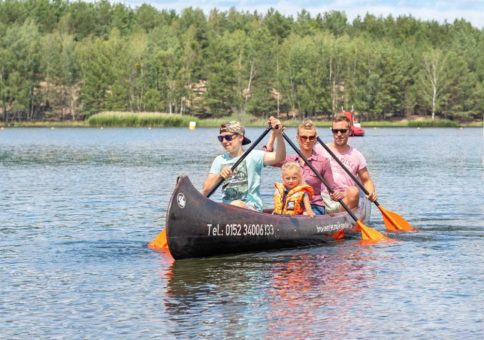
[370, 234]
[159, 242]
[339, 235]
[395, 222]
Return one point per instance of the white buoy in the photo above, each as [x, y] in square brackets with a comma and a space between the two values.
[192, 125]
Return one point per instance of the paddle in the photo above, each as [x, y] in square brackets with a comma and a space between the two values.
[393, 221]
[254, 144]
[367, 233]
[160, 242]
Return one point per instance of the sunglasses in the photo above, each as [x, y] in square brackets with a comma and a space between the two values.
[228, 138]
[307, 138]
[342, 131]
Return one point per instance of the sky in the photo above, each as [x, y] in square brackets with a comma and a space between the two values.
[440, 11]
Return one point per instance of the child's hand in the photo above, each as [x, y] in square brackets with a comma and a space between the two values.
[309, 213]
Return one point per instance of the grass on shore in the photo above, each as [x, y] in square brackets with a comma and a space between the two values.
[144, 119]
[126, 119]
[44, 124]
[153, 119]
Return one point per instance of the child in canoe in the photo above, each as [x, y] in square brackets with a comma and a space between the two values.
[292, 196]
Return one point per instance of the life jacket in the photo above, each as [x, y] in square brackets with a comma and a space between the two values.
[291, 203]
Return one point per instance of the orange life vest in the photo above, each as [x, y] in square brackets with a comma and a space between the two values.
[292, 202]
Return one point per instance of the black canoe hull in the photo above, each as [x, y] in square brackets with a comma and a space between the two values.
[199, 227]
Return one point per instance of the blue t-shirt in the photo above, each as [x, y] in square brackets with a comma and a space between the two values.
[244, 185]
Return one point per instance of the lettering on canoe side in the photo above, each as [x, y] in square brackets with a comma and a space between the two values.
[256, 229]
[237, 229]
[328, 228]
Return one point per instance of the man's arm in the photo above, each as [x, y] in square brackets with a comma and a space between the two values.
[270, 143]
[273, 158]
[327, 174]
[269, 147]
[213, 179]
[367, 182]
[278, 155]
[210, 182]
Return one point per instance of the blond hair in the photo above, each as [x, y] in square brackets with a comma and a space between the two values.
[291, 165]
[308, 125]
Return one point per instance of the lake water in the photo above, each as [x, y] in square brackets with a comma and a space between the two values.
[78, 206]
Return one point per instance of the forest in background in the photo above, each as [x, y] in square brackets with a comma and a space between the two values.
[65, 60]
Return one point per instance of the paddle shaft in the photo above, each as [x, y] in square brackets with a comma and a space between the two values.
[319, 175]
[246, 153]
[353, 177]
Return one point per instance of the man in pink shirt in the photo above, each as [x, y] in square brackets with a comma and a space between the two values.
[307, 139]
[353, 160]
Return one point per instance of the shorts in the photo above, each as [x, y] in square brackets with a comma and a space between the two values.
[331, 206]
[318, 209]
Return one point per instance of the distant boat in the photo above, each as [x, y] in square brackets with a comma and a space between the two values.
[355, 127]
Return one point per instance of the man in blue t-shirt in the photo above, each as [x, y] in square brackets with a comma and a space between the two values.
[242, 186]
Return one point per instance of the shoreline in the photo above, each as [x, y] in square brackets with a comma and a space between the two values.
[367, 125]
[160, 120]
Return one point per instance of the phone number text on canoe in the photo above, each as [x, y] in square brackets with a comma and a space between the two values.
[235, 229]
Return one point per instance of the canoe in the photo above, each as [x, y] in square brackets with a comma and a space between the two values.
[197, 226]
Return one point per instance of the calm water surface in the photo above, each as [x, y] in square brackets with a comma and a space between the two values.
[77, 207]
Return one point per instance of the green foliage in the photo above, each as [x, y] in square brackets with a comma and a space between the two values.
[20, 68]
[278, 25]
[97, 75]
[85, 57]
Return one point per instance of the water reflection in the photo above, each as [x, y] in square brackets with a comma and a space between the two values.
[275, 295]
[78, 205]
[308, 288]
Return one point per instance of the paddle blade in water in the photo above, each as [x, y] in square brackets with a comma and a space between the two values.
[370, 234]
[395, 222]
[159, 242]
[339, 235]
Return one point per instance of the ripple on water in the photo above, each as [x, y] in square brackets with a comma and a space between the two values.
[79, 205]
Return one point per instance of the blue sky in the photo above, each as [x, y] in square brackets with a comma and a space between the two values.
[470, 10]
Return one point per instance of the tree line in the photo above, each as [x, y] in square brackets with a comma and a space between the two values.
[73, 59]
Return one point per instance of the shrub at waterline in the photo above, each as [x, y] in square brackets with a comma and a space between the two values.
[144, 119]
[154, 119]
